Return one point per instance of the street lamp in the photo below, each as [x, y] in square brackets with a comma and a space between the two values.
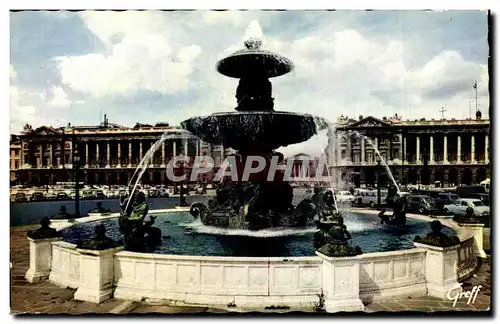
[379, 200]
[76, 168]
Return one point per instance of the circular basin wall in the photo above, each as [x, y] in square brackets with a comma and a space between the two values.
[183, 236]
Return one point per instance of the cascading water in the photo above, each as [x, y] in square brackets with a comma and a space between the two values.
[325, 160]
[198, 227]
[382, 160]
[146, 161]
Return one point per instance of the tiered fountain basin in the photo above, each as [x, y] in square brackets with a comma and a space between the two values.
[255, 130]
[243, 282]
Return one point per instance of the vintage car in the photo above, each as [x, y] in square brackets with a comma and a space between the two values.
[459, 207]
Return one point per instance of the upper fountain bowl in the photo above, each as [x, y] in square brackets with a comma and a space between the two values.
[256, 131]
[253, 61]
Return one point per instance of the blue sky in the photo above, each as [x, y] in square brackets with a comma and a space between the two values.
[160, 66]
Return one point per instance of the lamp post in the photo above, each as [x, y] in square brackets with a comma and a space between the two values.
[76, 169]
[379, 202]
[182, 199]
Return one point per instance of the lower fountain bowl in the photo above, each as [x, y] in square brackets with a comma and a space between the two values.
[256, 131]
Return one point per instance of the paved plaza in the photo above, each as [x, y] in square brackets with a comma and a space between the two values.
[47, 298]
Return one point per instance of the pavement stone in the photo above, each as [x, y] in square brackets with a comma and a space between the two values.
[430, 304]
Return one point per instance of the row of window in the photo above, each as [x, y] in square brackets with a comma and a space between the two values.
[356, 140]
[369, 156]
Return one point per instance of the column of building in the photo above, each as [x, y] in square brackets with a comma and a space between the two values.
[61, 153]
[140, 151]
[108, 154]
[349, 150]
[39, 161]
[97, 154]
[51, 154]
[71, 148]
[445, 149]
[119, 153]
[486, 149]
[431, 149]
[87, 155]
[418, 150]
[459, 149]
[402, 139]
[389, 149]
[129, 164]
[472, 149]
[362, 150]
[163, 155]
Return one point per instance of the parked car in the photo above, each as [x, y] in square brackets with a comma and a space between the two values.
[153, 193]
[37, 196]
[369, 197]
[87, 194]
[62, 196]
[422, 204]
[445, 198]
[20, 197]
[51, 196]
[164, 192]
[459, 207]
[345, 197]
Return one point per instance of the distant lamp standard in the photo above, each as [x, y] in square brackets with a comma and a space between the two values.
[379, 200]
[76, 169]
[182, 198]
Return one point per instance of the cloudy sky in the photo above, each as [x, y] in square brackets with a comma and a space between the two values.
[160, 66]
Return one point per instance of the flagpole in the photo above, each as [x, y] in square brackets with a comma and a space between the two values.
[476, 93]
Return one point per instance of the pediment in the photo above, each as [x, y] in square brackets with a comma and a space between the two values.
[370, 122]
[301, 155]
[43, 131]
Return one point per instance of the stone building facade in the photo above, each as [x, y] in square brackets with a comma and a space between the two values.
[108, 153]
[422, 151]
[14, 157]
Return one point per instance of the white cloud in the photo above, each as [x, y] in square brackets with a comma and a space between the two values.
[19, 114]
[142, 59]
[59, 98]
[107, 25]
[235, 17]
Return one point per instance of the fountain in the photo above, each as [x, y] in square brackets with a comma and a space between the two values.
[332, 237]
[240, 260]
[254, 130]
[383, 161]
[395, 199]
